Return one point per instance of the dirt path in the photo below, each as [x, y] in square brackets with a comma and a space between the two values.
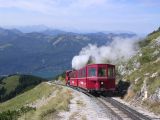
[83, 107]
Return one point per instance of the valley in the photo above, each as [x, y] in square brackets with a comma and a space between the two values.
[47, 53]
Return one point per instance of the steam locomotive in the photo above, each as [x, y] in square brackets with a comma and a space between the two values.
[93, 78]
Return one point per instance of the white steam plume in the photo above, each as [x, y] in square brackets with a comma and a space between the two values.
[118, 49]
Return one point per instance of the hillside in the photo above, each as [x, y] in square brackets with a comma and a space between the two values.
[12, 85]
[36, 104]
[143, 72]
[41, 53]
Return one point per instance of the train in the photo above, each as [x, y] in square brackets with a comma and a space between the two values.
[96, 78]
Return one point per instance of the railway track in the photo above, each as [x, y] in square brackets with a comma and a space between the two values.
[123, 111]
[116, 109]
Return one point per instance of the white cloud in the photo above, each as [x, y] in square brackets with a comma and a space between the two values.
[65, 7]
[49, 6]
[41, 6]
[62, 5]
[83, 14]
[88, 3]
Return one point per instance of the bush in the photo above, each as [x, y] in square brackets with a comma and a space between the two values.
[14, 114]
[145, 59]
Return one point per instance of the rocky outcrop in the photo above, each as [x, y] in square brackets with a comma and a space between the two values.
[156, 96]
[143, 72]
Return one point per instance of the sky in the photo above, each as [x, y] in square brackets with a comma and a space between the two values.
[139, 16]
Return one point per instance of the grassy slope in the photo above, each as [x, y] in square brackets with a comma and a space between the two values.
[56, 104]
[44, 90]
[27, 97]
[148, 63]
[148, 59]
[10, 83]
[16, 84]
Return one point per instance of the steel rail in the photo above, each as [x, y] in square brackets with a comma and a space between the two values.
[133, 114]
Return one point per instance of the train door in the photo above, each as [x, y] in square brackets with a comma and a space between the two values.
[92, 78]
[102, 76]
[111, 77]
[82, 78]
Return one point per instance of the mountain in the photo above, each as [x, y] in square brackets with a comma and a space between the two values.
[46, 53]
[53, 32]
[143, 73]
[9, 34]
[32, 28]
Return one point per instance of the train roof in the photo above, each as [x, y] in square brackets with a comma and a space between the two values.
[98, 64]
[90, 65]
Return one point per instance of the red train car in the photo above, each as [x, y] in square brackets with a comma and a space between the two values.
[93, 77]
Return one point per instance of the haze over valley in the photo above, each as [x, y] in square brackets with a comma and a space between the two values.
[46, 53]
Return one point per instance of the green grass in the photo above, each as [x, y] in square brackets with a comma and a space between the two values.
[150, 38]
[58, 103]
[150, 68]
[10, 83]
[148, 56]
[14, 114]
[17, 84]
[36, 93]
[148, 65]
[154, 35]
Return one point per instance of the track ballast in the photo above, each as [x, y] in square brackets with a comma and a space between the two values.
[119, 110]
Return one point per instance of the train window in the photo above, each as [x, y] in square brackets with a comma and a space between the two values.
[71, 75]
[74, 75]
[101, 72]
[110, 72]
[79, 73]
[84, 73]
[92, 72]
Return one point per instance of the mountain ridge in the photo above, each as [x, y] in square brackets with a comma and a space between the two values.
[40, 53]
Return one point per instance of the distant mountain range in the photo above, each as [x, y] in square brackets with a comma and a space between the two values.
[45, 53]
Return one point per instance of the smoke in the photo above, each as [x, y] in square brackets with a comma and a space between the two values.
[119, 49]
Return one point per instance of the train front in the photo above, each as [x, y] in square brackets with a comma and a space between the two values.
[101, 77]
